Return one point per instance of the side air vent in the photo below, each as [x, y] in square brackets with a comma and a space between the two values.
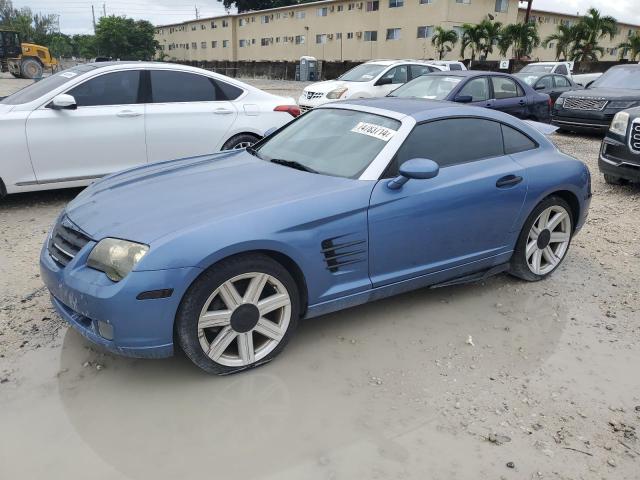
[339, 252]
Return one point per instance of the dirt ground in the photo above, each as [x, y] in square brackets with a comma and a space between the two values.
[548, 388]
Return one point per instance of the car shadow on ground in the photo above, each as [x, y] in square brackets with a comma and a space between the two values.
[45, 197]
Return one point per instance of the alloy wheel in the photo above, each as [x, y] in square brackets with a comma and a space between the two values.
[244, 319]
[548, 240]
[241, 145]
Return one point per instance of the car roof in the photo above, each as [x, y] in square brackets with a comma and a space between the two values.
[468, 73]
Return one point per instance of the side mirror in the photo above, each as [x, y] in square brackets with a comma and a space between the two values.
[63, 102]
[416, 168]
[539, 87]
[384, 81]
[463, 99]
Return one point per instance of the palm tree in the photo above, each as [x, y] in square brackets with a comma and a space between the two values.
[472, 37]
[523, 37]
[631, 46]
[444, 41]
[589, 30]
[492, 33]
[564, 39]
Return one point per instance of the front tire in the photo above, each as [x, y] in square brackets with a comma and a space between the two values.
[611, 180]
[544, 240]
[239, 314]
[240, 141]
[31, 69]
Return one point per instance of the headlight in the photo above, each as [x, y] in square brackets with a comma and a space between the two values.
[622, 104]
[560, 101]
[337, 93]
[116, 257]
[619, 123]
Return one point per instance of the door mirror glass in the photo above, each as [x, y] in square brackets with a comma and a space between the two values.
[464, 99]
[63, 102]
[539, 86]
[384, 81]
[416, 168]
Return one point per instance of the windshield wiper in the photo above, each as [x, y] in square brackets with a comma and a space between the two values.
[254, 152]
[293, 164]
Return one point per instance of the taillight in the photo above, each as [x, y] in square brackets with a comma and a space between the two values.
[292, 110]
[550, 103]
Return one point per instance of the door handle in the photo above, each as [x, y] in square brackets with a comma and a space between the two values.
[222, 111]
[128, 114]
[508, 181]
[522, 102]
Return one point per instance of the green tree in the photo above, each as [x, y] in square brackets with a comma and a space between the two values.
[125, 38]
[60, 45]
[564, 38]
[472, 37]
[589, 31]
[444, 40]
[521, 37]
[248, 5]
[631, 47]
[491, 35]
[34, 28]
[84, 46]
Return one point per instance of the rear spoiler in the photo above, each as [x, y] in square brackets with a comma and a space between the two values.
[544, 128]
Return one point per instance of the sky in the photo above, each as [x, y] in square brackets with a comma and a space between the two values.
[75, 15]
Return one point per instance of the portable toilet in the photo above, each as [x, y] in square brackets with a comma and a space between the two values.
[308, 68]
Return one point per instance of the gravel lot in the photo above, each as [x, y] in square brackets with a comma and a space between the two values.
[548, 389]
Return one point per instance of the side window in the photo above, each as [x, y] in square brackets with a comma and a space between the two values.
[561, 82]
[515, 142]
[454, 66]
[545, 82]
[478, 89]
[418, 70]
[170, 87]
[117, 88]
[227, 91]
[440, 141]
[504, 87]
[562, 70]
[397, 75]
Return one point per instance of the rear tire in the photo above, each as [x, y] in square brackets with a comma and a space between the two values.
[611, 180]
[240, 141]
[31, 69]
[544, 240]
[238, 314]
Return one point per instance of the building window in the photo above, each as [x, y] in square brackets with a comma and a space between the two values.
[349, 35]
[264, 42]
[242, 22]
[425, 32]
[466, 2]
[203, 44]
[373, 5]
[502, 6]
[393, 34]
[459, 30]
[264, 19]
[340, 8]
[214, 44]
[299, 39]
[193, 28]
[339, 36]
[194, 45]
[203, 26]
[371, 36]
[225, 43]
[321, 38]
[225, 23]
[253, 41]
[322, 12]
[243, 43]
[300, 15]
[213, 24]
[351, 6]
[426, 2]
[396, 3]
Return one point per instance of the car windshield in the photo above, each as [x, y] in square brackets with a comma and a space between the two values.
[619, 78]
[38, 89]
[331, 141]
[434, 87]
[537, 69]
[362, 73]
[527, 78]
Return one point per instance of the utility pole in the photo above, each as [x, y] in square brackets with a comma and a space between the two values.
[528, 14]
[197, 14]
[93, 15]
[104, 9]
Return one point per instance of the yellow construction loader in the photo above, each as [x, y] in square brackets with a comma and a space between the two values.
[24, 60]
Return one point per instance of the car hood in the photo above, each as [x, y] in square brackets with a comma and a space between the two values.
[5, 108]
[147, 203]
[326, 86]
[605, 94]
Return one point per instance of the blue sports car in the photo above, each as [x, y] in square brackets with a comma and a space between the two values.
[221, 255]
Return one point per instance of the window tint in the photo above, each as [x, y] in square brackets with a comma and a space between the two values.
[561, 82]
[504, 87]
[117, 88]
[454, 66]
[397, 75]
[418, 70]
[478, 89]
[170, 87]
[515, 142]
[562, 70]
[545, 82]
[441, 141]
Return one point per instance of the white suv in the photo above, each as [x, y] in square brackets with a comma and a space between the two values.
[376, 78]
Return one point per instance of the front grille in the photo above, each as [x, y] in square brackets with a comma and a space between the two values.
[634, 136]
[584, 104]
[304, 109]
[313, 95]
[66, 241]
[340, 251]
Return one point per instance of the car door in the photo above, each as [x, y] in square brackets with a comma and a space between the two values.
[104, 134]
[462, 218]
[479, 91]
[419, 70]
[188, 114]
[508, 96]
[390, 80]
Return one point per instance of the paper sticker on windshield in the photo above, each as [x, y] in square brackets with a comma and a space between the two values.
[68, 74]
[377, 131]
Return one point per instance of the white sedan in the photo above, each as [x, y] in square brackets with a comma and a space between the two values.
[94, 119]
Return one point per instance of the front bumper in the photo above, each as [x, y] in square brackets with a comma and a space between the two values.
[617, 160]
[307, 104]
[93, 304]
[587, 121]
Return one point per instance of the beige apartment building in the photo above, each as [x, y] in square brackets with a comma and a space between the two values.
[336, 30]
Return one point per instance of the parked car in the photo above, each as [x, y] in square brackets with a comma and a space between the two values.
[94, 119]
[553, 85]
[620, 152]
[560, 68]
[352, 202]
[371, 79]
[448, 64]
[498, 91]
[592, 109]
